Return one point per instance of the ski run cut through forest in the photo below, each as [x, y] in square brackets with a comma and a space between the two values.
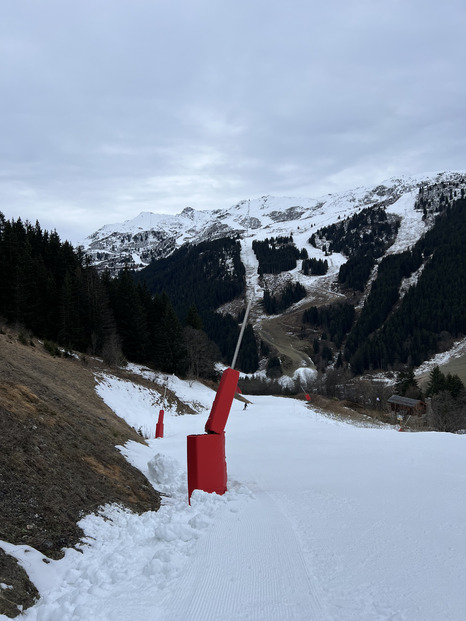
[322, 521]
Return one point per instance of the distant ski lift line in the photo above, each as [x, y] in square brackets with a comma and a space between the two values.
[240, 338]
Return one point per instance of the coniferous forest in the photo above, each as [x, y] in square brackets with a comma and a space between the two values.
[207, 275]
[402, 322]
[165, 315]
[390, 332]
[292, 293]
[51, 290]
[363, 238]
[276, 255]
[335, 319]
[370, 229]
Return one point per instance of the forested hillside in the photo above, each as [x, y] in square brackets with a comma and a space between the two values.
[363, 238]
[52, 291]
[206, 275]
[166, 315]
[431, 311]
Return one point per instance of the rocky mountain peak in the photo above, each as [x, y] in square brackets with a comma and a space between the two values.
[135, 243]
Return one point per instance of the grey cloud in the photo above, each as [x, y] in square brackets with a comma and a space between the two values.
[111, 107]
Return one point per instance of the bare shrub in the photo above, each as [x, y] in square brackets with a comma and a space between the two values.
[112, 353]
[448, 414]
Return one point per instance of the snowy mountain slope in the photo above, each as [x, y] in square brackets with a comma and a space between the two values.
[321, 521]
[151, 236]
[411, 203]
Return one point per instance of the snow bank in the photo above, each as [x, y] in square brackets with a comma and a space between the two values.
[127, 563]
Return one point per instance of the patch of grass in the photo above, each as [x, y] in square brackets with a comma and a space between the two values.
[23, 339]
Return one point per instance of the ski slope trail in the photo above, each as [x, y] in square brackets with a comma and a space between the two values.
[262, 572]
[322, 521]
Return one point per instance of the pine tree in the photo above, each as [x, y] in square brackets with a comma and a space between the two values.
[130, 316]
[406, 384]
[170, 353]
[193, 319]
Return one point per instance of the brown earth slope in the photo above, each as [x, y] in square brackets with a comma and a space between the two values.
[58, 459]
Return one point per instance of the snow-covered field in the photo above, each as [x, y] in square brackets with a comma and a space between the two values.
[322, 521]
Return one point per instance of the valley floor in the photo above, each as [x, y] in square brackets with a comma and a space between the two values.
[322, 521]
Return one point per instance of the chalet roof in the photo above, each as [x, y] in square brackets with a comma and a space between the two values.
[411, 403]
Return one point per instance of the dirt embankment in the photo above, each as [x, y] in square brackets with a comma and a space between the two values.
[58, 459]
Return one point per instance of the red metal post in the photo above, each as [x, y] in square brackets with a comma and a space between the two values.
[207, 467]
[159, 425]
[222, 403]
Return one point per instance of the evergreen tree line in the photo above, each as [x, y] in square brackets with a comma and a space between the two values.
[448, 398]
[439, 196]
[49, 288]
[370, 229]
[439, 382]
[224, 331]
[276, 255]
[383, 295]
[355, 273]
[53, 291]
[207, 275]
[292, 293]
[335, 319]
[362, 238]
[148, 328]
[410, 332]
[315, 267]
[448, 401]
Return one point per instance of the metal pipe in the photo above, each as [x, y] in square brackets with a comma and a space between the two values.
[240, 338]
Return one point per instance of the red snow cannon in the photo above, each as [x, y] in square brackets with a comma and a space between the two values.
[222, 403]
[207, 468]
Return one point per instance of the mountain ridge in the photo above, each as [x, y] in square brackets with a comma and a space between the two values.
[149, 236]
[333, 246]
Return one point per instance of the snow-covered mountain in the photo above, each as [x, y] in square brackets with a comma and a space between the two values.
[350, 233]
[134, 243]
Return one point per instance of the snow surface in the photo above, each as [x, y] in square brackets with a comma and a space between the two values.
[457, 351]
[322, 521]
[412, 225]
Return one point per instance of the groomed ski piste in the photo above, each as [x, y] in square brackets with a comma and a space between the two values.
[322, 521]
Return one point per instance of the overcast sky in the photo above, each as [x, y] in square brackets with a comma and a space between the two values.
[113, 107]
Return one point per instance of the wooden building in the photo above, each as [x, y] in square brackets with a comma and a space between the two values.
[404, 406]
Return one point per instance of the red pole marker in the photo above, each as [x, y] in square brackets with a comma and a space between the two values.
[159, 426]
